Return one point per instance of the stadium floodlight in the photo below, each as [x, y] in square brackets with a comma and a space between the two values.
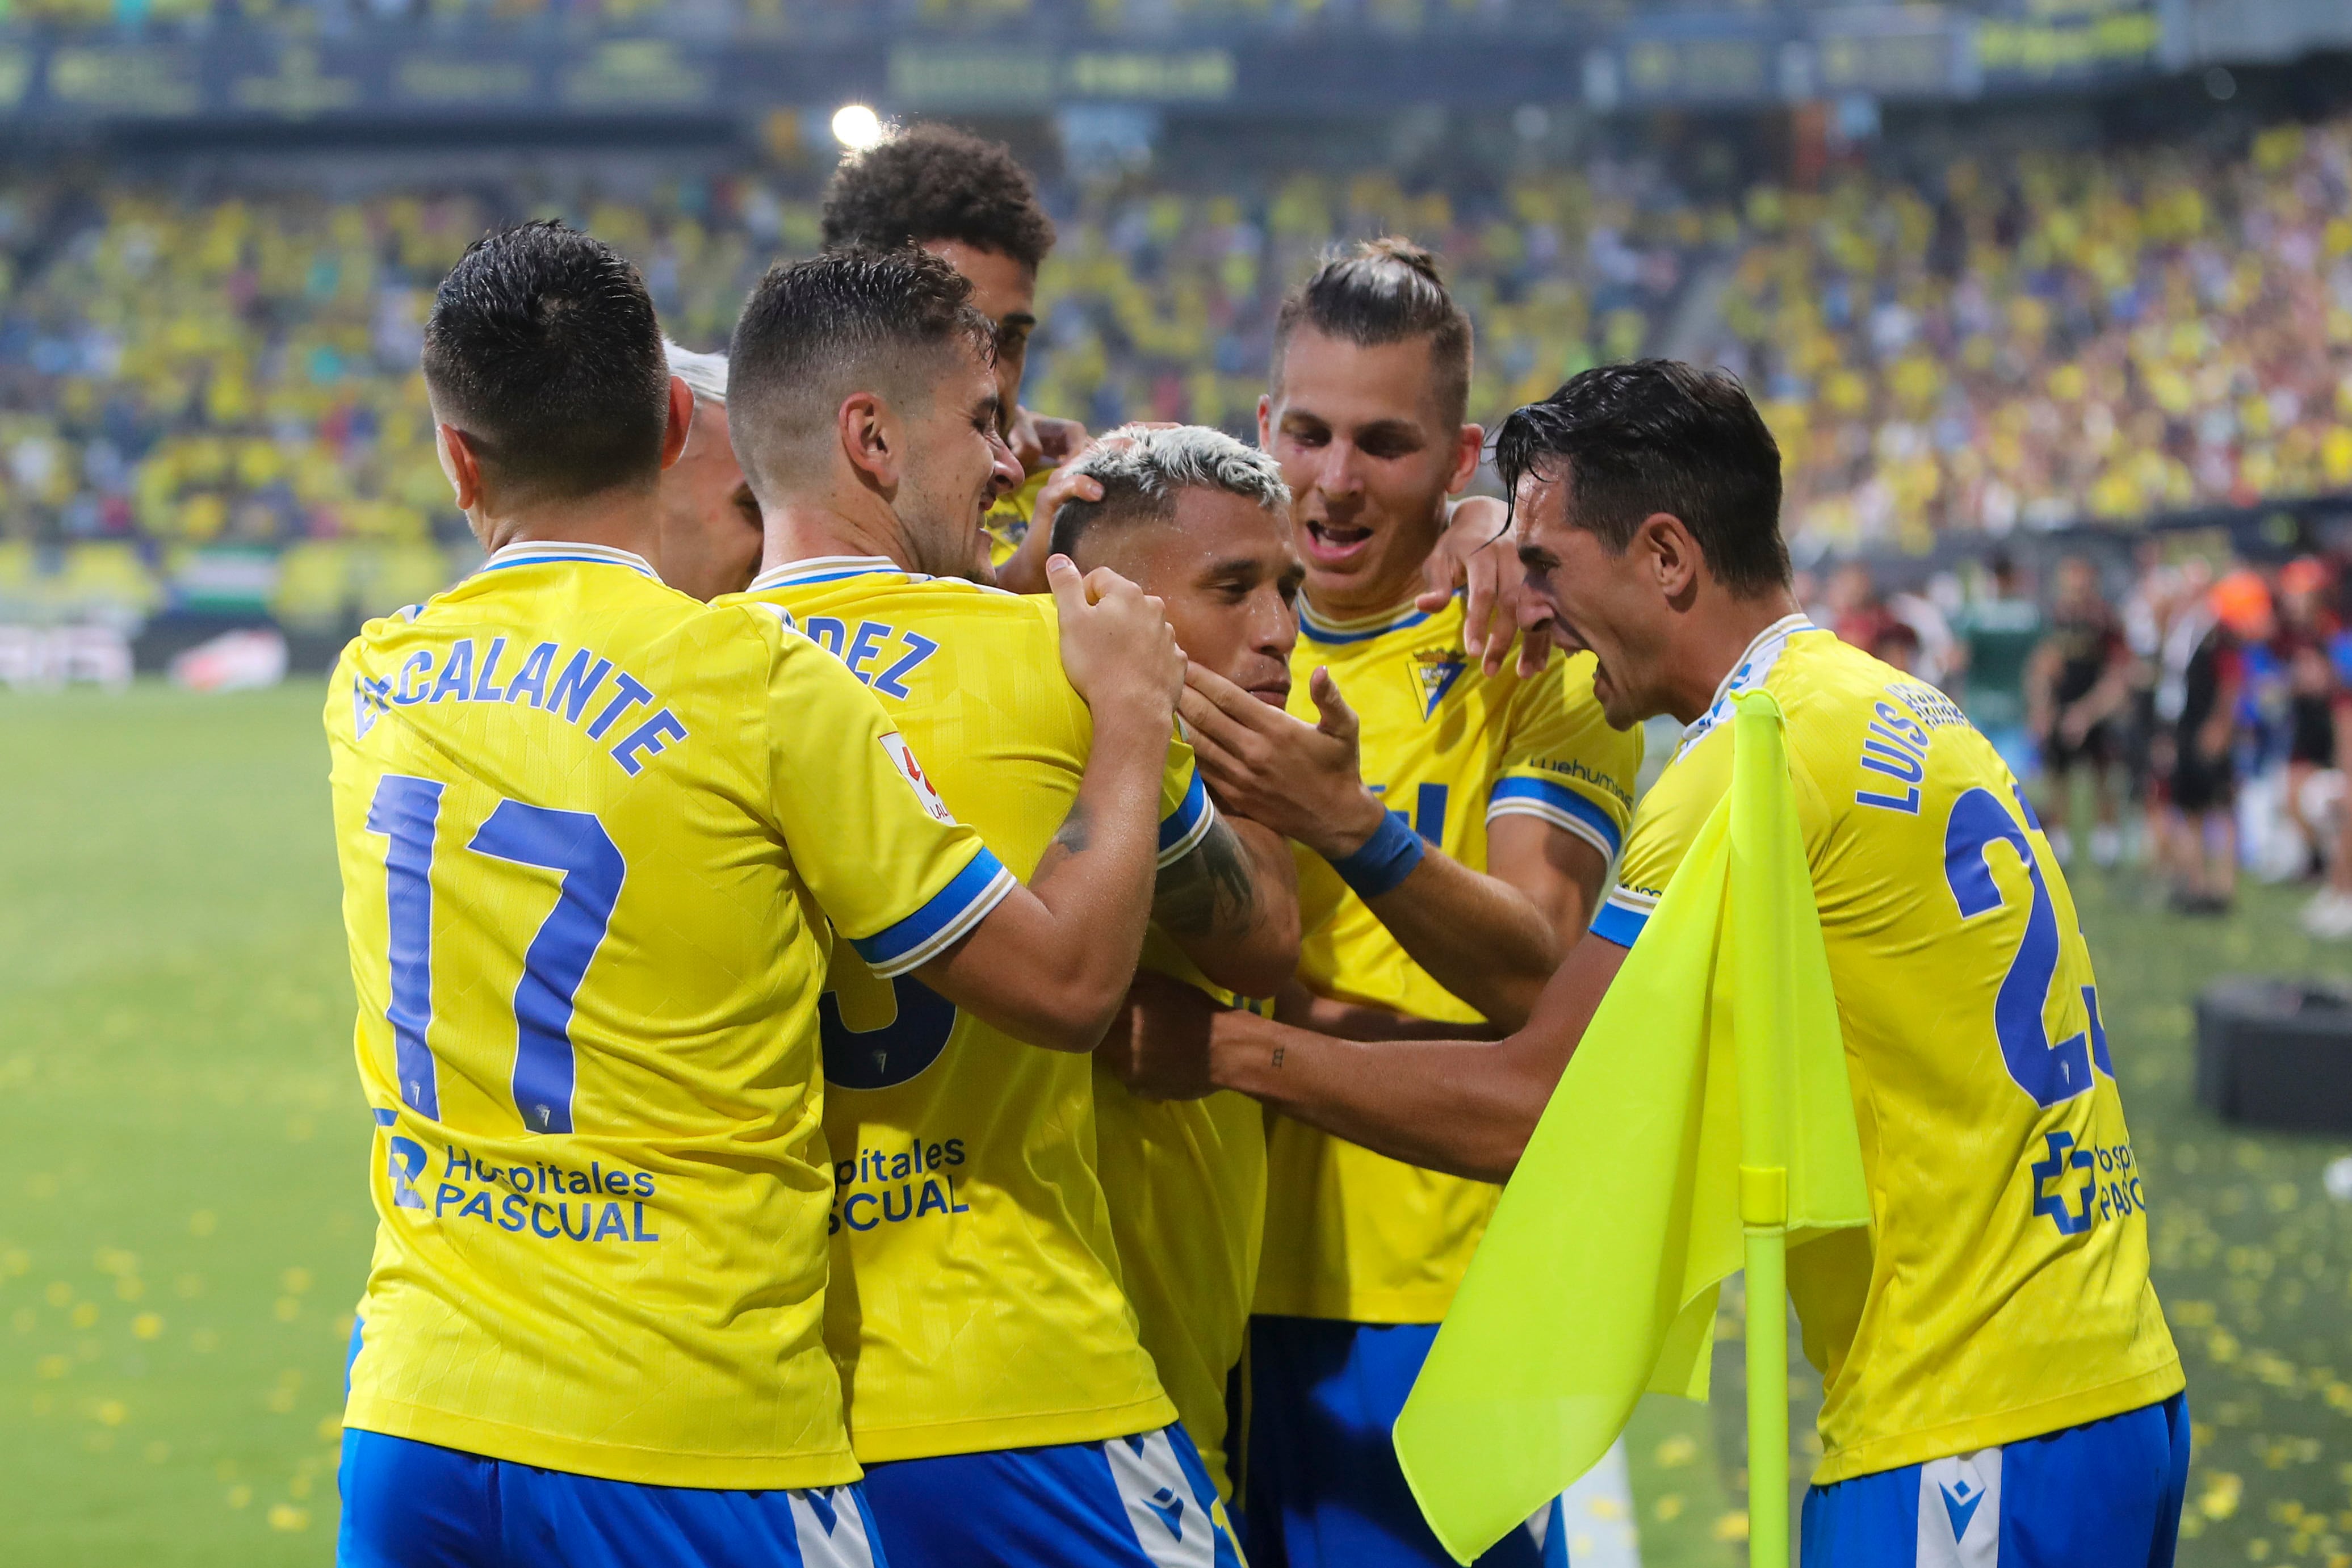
[857, 127]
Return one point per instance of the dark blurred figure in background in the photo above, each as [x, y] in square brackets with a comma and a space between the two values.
[2077, 685]
[2204, 831]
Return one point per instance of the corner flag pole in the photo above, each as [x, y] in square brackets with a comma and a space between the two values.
[1764, 1031]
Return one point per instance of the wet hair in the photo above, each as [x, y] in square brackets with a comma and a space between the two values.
[1384, 291]
[543, 347]
[936, 182]
[815, 331]
[1142, 470]
[1659, 436]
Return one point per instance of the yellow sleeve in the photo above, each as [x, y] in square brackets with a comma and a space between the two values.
[1008, 521]
[889, 865]
[1663, 831]
[1563, 763]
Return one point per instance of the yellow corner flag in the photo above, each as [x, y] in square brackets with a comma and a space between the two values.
[1716, 1049]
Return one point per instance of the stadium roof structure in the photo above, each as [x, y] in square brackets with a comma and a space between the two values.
[328, 66]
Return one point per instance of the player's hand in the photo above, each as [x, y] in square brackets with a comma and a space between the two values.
[1301, 780]
[1042, 441]
[1477, 553]
[1158, 1046]
[1024, 571]
[1117, 647]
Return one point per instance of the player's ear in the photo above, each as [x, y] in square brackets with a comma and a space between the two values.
[1467, 445]
[1265, 423]
[1674, 553]
[458, 465]
[680, 421]
[870, 438]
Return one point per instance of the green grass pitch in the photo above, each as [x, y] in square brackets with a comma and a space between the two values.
[183, 1224]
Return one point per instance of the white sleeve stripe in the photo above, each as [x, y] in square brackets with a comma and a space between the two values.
[947, 936]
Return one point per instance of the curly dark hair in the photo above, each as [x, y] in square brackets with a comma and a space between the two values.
[934, 182]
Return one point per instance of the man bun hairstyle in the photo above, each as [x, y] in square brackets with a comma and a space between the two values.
[1142, 470]
[543, 347]
[1659, 436]
[815, 331]
[936, 182]
[1387, 290]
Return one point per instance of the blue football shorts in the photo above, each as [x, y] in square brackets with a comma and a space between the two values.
[1143, 1501]
[413, 1505]
[2106, 1494]
[1323, 1487]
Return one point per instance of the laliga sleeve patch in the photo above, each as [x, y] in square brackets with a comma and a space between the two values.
[902, 757]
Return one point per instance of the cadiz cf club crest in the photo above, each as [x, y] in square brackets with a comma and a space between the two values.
[1434, 671]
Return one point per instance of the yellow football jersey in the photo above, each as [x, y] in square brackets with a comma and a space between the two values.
[596, 840]
[2001, 1290]
[1350, 1234]
[1186, 1184]
[976, 1302]
[1008, 521]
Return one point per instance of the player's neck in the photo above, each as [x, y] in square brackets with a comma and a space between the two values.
[804, 531]
[1716, 637]
[626, 520]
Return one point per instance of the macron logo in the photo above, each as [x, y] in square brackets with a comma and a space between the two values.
[1961, 1500]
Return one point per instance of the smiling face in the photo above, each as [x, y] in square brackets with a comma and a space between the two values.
[954, 467]
[1224, 572]
[1369, 456]
[1005, 291]
[1612, 602]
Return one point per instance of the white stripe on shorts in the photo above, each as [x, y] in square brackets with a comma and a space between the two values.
[1170, 1524]
[830, 1527]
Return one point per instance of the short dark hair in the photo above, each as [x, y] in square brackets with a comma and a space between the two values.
[815, 331]
[544, 349]
[1659, 436]
[935, 183]
[1385, 291]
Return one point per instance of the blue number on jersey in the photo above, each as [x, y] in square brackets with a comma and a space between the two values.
[890, 1055]
[574, 843]
[406, 811]
[2049, 1073]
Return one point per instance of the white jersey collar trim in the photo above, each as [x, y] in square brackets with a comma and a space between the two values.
[1756, 661]
[535, 552]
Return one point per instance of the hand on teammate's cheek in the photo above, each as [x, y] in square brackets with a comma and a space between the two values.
[1477, 555]
[1301, 780]
[1158, 1046]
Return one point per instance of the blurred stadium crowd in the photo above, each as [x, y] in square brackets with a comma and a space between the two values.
[2022, 343]
[2214, 701]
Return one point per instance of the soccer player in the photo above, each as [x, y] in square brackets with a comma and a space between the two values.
[2078, 684]
[1438, 897]
[1202, 523]
[998, 1394]
[970, 203]
[596, 840]
[1998, 1375]
[709, 523]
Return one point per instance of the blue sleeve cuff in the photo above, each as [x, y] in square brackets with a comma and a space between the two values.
[930, 931]
[1618, 924]
[1183, 829]
[1560, 806]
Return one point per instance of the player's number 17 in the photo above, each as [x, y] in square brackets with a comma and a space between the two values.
[573, 843]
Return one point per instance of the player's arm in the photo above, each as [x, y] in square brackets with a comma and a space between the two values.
[1463, 1107]
[1491, 939]
[1232, 905]
[1050, 963]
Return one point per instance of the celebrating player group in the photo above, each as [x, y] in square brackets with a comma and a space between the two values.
[934, 992]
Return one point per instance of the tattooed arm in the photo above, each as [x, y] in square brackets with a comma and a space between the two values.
[1233, 906]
